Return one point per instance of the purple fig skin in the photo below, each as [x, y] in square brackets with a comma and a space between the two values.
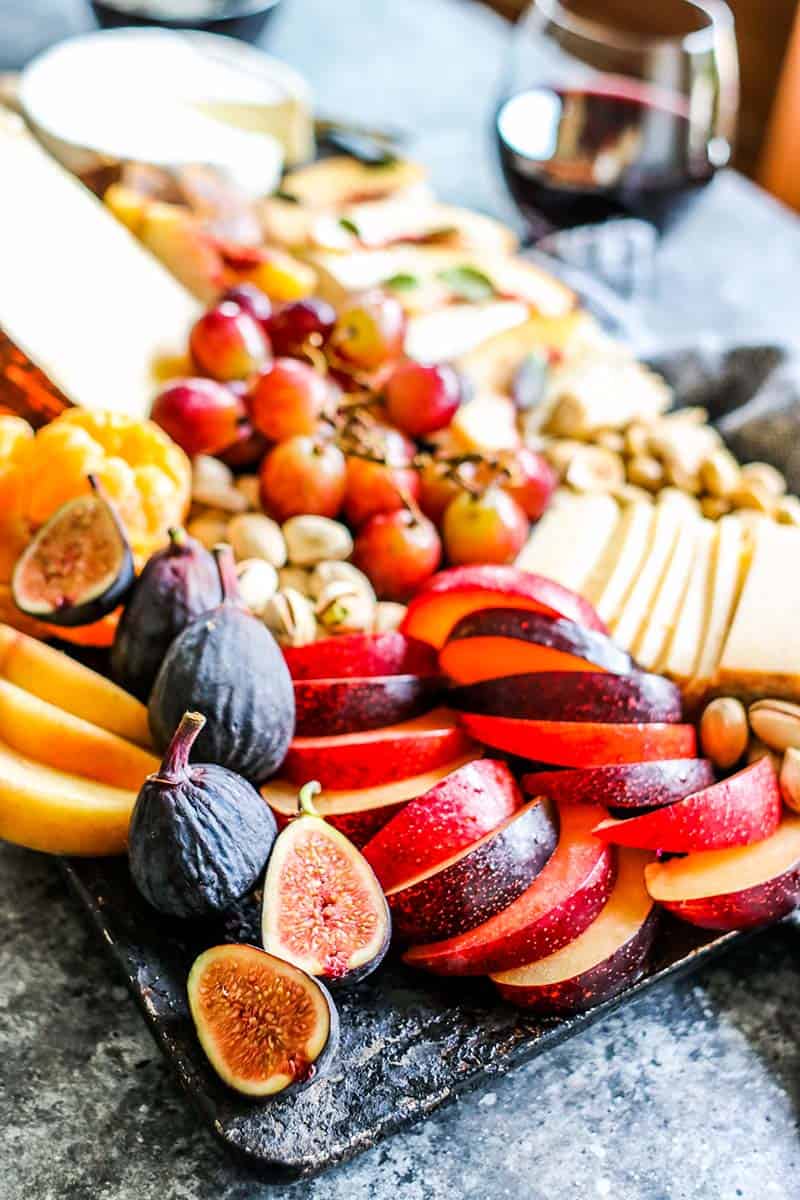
[177, 584]
[573, 696]
[623, 786]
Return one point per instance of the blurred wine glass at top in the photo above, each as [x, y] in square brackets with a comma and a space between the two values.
[616, 108]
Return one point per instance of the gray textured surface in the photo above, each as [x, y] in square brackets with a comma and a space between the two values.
[690, 1094]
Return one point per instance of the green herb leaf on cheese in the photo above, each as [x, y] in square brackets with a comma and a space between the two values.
[468, 283]
[401, 282]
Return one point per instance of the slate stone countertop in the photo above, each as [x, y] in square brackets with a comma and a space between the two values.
[691, 1093]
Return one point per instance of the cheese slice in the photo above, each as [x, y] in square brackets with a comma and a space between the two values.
[451, 331]
[730, 560]
[665, 613]
[682, 652]
[610, 584]
[670, 514]
[761, 654]
[486, 424]
[82, 304]
[571, 537]
[379, 223]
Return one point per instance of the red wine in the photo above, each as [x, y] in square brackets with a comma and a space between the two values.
[575, 157]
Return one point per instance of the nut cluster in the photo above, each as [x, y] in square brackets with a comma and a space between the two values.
[295, 577]
[728, 732]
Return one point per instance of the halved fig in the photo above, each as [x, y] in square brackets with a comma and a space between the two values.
[264, 1024]
[324, 909]
[332, 706]
[78, 567]
[354, 655]
[573, 696]
[635, 786]
[494, 642]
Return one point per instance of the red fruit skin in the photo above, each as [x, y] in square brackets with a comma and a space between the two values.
[489, 528]
[370, 330]
[422, 399]
[437, 489]
[483, 882]
[534, 482]
[287, 400]
[623, 786]
[561, 902]
[201, 415]
[573, 696]
[582, 744]
[602, 982]
[456, 812]
[377, 487]
[226, 343]
[302, 322]
[333, 706]
[399, 551]
[741, 809]
[494, 642]
[303, 475]
[359, 826]
[248, 449]
[376, 756]
[758, 905]
[254, 302]
[361, 655]
[453, 594]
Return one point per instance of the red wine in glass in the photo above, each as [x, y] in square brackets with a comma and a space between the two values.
[622, 147]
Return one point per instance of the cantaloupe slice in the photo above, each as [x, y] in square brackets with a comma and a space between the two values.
[52, 676]
[49, 810]
[46, 734]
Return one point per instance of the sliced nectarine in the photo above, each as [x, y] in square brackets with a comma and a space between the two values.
[623, 786]
[333, 706]
[608, 956]
[360, 655]
[582, 743]
[733, 889]
[573, 696]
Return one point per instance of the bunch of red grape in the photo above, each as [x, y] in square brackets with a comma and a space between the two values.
[339, 423]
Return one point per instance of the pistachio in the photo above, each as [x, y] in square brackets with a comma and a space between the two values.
[311, 539]
[637, 438]
[714, 507]
[561, 452]
[723, 731]
[790, 779]
[294, 577]
[595, 469]
[341, 608]
[209, 529]
[787, 510]
[388, 616]
[776, 723]
[212, 484]
[258, 583]
[720, 473]
[250, 488]
[646, 472]
[325, 573]
[681, 477]
[253, 535]
[290, 616]
[610, 439]
[757, 749]
[752, 493]
[766, 476]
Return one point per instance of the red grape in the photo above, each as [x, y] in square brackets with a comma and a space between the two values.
[248, 449]
[531, 481]
[288, 399]
[303, 475]
[381, 479]
[489, 527]
[201, 415]
[305, 322]
[399, 551]
[253, 301]
[422, 399]
[440, 482]
[370, 331]
[226, 343]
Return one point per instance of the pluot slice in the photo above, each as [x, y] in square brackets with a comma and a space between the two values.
[356, 760]
[737, 888]
[359, 655]
[452, 815]
[741, 809]
[332, 706]
[563, 899]
[573, 696]
[46, 809]
[470, 887]
[582, 743]
[358, 812]
[264, 1024]
[633, 785]
[606, 958]
[495, 642]
[454, 593]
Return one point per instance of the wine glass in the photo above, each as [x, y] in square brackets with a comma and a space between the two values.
[628, 115]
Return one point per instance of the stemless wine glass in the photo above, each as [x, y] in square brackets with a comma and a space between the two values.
[627, 115]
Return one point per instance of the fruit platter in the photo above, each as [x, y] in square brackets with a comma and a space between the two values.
[401, 673]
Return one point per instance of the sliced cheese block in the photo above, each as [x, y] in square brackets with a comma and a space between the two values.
[681, 655]
[82, 304]
[665, 613]
[380, 223]
[622, 561]
[761, 654]
[449, 332]
[730, 559]
[570, 539]
[670, 515]
[487, 423]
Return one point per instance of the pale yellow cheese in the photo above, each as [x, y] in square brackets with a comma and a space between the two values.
[729, 558]
[622, 562]
[487, 424]
[79, 297]
[680, 656]
[761, 654]
[378, 223]
[668, 603]
[570, 539]
[451, 331]
[670, 514]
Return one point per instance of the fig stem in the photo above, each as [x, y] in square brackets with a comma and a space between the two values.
[226, 566]
[176, 757]
[177, 537]
[305, 798]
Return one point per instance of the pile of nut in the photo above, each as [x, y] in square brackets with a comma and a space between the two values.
[729, 732]
[294, 576]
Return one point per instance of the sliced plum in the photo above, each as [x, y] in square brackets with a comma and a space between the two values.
[573, 696]
[333, 706]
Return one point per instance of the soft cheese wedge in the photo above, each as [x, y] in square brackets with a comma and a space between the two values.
[570, 539]
[88, 312]
[622, 560]
[668, 604]
[682, 652]
[761, 654]
[729, 563]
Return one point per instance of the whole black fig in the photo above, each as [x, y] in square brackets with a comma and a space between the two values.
[200, 835]
[176, 585]
[227, 664]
